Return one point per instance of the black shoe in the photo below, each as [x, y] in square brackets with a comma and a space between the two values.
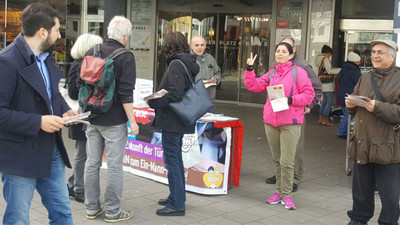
[163, 201]
[294, 188]
[271, 180]
[166, 211]
[71, 192]
[80, 197]
[356, 223]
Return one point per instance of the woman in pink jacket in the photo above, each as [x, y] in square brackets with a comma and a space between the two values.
[282, 126]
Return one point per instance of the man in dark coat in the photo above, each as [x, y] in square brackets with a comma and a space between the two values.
[32, 153]
[374, 144]
[348, 77]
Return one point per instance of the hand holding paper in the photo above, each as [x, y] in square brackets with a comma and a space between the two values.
[70, 120]
[156, 95]
[277, 96]
[358, 99]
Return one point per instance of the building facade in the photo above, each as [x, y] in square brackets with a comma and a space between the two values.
[232, 29]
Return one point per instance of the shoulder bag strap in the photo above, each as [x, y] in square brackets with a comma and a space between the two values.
[271, 75]
[118, 52]
[187, 72]
[321, 66]
[375, 88]
[96, 51]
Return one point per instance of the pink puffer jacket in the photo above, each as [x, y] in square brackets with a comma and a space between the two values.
[302, 93]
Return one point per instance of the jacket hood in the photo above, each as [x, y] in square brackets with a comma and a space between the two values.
[319, 58]
[189, 60]
[349, 65]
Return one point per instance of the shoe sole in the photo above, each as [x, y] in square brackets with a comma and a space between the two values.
[171, 214]
[274, 203]
[286, 207]
[118, 220]
[92, 217]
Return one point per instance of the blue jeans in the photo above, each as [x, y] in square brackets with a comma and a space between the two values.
[75, 181]
[326, 104]
[343, 124]
[18, 193]
[172, 146]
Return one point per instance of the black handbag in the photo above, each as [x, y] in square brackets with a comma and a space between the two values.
[194, 104]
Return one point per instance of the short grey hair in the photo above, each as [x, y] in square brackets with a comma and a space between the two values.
[83, 44]
[391, 51]
[118, 27]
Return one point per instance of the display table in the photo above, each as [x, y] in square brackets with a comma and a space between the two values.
[211, 161]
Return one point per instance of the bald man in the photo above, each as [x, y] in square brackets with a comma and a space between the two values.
[209, 69]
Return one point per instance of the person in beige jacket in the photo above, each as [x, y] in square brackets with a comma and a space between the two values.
[328, 89]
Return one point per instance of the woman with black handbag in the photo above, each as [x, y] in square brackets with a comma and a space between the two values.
[176, 81]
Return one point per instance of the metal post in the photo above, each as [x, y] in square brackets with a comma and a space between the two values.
[347, 144]
[5, 25]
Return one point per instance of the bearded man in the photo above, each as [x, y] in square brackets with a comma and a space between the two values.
[32, 153]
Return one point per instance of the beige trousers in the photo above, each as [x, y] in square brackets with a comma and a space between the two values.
[283, 141]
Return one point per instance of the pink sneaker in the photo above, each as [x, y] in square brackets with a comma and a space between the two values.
[275, 199]
[288, 203]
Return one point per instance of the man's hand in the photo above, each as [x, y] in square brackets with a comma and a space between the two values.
[212, 80]
[70, 113]
[370, 105]
[134, 128]
[307, 111]
[51, 123]
[350, 104]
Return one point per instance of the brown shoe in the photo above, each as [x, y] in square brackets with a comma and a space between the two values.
[320, 119]
[326, 122]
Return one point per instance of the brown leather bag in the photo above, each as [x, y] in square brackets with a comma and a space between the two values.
[323, 75]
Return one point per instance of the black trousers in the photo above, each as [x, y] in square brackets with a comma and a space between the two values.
[387, 179]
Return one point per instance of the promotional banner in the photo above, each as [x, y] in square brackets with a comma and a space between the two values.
[206, 157]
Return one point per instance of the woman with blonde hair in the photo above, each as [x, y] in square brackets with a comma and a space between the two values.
[76, 132]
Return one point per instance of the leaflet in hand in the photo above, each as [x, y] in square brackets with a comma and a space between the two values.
[277, 97]
[208, 83]
[156, 95]
[77, 119]
[357, 99]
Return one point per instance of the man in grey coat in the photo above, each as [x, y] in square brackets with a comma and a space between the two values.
[299, 158]
[209, 69]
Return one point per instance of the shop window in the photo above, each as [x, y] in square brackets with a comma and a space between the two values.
[95, 7]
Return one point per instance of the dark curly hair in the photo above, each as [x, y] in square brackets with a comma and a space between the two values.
[175, 43]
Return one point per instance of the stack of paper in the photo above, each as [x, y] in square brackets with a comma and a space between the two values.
[277, 96]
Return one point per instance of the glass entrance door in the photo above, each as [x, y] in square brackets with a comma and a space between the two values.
[230, 39]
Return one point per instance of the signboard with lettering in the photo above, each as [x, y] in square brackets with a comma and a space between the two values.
[206, 157]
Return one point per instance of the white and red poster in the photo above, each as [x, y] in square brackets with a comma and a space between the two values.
[206, 157]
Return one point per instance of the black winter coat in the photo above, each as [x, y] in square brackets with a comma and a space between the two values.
[348, 78]
[176, 82]
[75, 132]
[25, 149]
